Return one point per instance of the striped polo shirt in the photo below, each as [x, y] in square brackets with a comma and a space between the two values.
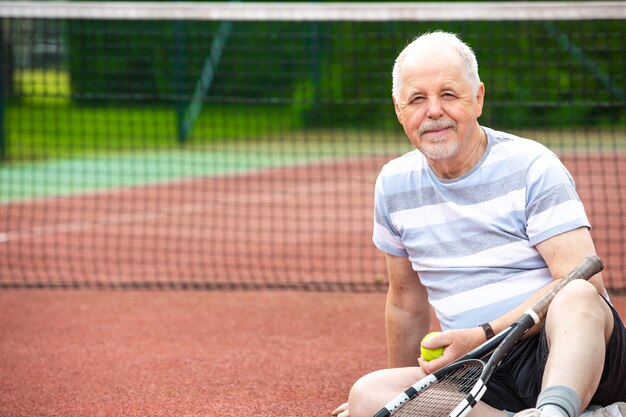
[471, 239]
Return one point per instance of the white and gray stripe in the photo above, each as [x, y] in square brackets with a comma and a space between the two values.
[472, 239]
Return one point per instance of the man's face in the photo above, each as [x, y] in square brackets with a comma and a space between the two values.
[436, 104]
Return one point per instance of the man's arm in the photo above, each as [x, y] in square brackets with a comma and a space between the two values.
[407, 313]
[562, 253]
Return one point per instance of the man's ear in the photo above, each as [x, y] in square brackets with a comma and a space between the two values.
[398, 111]
[480, 99]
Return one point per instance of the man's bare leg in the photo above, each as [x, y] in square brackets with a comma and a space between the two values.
[370, 393]
[578, 327]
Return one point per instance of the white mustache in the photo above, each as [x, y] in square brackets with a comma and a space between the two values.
[435, 125]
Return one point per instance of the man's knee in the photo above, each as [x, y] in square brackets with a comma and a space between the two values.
[363, 392]
[580, 299]
[576, 294]
[371, 392]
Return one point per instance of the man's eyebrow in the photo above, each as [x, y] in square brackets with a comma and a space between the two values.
[415, 92]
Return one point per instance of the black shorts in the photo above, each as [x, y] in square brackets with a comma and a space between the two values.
[516, 383]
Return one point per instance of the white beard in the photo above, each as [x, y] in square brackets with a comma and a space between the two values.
[439, 150]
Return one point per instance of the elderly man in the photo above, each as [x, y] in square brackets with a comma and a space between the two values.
[477, 224]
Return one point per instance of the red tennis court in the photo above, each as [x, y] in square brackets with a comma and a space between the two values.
[187, 353]
[142, 353]
[303, 227]
[84, 353]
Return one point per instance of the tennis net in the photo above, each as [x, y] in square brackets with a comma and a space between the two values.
[235, 145]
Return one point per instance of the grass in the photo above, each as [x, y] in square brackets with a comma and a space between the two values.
[40, 131]
[46, 125]
[43, 86]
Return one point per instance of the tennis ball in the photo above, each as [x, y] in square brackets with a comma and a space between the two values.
[430, 354]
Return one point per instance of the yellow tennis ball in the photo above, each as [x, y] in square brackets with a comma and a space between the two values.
[430, 354]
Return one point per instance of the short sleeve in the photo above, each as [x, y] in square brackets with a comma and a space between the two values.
[385, 236]
[553, 205]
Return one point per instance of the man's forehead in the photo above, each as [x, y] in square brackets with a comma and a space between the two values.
[430, 53]
[428, 64]
[439, 71]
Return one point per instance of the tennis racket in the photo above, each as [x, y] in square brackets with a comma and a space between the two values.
[455, 389]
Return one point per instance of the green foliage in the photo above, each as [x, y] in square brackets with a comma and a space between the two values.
[339, 74]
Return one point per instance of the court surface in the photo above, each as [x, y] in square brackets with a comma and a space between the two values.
[210, 353]
[176, 353]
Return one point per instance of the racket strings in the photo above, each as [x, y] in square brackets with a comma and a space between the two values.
[442, 397]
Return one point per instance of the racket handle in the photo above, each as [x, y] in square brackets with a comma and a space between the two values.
[590, 266]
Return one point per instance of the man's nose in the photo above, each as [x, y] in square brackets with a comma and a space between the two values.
[434, 109]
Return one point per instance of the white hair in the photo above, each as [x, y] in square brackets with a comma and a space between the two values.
[439, 37]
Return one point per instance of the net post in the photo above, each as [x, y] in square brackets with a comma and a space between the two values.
[179, 78]
[189, 113]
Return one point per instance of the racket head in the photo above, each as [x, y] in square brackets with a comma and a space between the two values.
[450, 393]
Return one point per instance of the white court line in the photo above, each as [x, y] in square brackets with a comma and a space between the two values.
[260, 197]
[118, 219]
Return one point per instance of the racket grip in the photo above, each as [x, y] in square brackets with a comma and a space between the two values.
[590, 266]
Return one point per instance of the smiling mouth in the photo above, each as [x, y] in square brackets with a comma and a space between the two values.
[434, 127]
[435, 135]
[437, 130]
